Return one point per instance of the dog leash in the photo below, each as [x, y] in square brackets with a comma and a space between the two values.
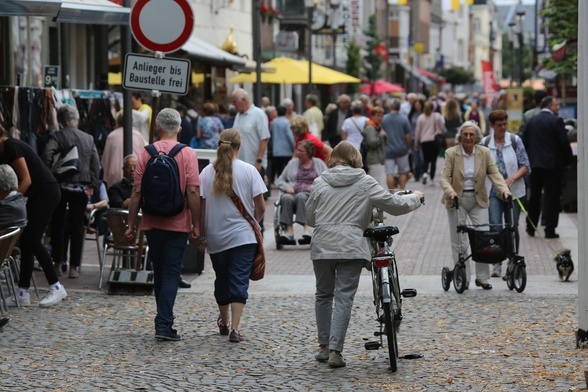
[556, 253]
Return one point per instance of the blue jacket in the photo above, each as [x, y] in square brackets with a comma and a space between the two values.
[282, 137]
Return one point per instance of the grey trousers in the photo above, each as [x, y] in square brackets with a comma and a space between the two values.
[468, 207]
[336, 279]
[293, 204]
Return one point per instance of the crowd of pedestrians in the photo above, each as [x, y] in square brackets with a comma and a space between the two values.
[317, 160]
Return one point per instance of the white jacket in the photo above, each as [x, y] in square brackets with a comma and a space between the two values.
[340, 207]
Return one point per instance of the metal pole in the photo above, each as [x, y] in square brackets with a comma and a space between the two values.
[520, 56]
[582, 332]
[257, 49]
[310, 10]
[126, 47]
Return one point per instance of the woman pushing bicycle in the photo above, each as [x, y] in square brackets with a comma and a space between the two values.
[339, 208]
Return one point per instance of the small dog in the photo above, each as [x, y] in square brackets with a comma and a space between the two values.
[564, 265]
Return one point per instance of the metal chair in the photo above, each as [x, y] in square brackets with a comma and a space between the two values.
[92, 229]
[8, 239]
[123, 254]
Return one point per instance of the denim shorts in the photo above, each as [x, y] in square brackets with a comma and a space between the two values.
[233, 268]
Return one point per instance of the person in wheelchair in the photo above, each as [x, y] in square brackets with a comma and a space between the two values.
[295, 183]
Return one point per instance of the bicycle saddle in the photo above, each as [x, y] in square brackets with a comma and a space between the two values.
[380, 233]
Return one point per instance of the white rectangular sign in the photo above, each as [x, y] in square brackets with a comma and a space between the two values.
[151, 73]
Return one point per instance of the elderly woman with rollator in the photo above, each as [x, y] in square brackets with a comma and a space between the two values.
[467, 165]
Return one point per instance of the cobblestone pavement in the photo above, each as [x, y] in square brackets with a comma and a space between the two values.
[494, 340]
[469, 343]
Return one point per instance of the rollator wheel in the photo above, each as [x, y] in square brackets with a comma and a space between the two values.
[445, 278]
[509, 277]
[459, 278]
[519, 277]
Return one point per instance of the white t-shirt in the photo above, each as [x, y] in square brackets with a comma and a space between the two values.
[225, 227]
[253, 126]
[353, 127]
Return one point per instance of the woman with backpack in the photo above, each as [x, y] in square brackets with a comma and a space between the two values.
[508, 151]
[232, 205]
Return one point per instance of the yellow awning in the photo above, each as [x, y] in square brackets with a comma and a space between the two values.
[115, 79]
[292, 71]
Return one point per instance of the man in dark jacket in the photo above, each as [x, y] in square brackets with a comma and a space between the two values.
[332, 131]
[549, 151]
[120, 193]
[74, 189]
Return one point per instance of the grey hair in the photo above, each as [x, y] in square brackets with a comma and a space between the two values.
[312, 99]
[8, 179]
[395, 105]
[287, 102]
[470, 124]
[357, 107]
[68, 115]
[239, 93]
[129, 157]
[169, 120]
[343, 97]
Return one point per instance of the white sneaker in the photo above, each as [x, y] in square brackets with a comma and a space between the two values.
[22, 301]
[53, 297]
[425, 177]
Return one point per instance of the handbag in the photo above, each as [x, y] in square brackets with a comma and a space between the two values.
[258, 270]
[440, 140]
[66, 161]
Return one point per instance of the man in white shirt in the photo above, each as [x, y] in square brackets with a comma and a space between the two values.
[252, 123]
[407, 105]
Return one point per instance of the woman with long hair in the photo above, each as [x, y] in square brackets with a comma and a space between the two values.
[453, 120]
[416, 155]
[228, 234]
[429, 124]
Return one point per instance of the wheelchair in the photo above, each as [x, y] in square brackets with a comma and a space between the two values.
[280, 229]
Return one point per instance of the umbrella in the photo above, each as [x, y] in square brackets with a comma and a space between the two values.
[381, 86]
[292, 71]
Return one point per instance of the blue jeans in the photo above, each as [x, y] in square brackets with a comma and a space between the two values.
[166, 252]
[233, 269]
[497, 210]
[417, 162]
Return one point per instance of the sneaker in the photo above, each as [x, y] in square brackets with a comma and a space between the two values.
[169, 334]
[336, 360]
[322, 354]
[425, 178]
[222, 329]
[235, 336]
[307, 235]
[497, 270]
[53, 297]
[22, 301]
[74, 274]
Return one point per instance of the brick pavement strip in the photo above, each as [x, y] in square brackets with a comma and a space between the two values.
[93, 341]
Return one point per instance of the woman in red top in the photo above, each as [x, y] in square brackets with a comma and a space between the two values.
[300, 127]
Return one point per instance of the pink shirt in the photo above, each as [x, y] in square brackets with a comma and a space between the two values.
[189, 176]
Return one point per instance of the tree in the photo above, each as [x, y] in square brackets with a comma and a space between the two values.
[457, 75]
[562, 23]
[372, 61]
[353, 65]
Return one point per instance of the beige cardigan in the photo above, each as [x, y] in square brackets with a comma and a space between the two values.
[453, 175]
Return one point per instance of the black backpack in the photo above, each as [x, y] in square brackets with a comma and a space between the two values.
[161, 194]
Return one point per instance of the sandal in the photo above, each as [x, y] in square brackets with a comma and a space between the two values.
[222, 329]
[235, 336]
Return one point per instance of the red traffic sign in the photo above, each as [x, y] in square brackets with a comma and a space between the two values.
[162, 25]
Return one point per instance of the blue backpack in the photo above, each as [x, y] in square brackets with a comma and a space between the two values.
[161, 194]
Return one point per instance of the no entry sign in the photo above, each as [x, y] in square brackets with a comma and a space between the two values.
[162, 25]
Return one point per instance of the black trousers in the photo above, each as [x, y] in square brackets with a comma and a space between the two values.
[430, 153]
[76, 202]
[549, 183]
[40, 206]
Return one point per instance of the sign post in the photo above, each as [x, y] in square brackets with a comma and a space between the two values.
[162, 26]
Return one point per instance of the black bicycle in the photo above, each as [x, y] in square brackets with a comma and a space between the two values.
[386, 289]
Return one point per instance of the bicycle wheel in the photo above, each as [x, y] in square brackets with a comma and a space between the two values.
[390, 335]
[519, 277]
[445, 278]
[459, 278]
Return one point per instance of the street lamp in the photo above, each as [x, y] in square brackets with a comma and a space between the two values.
[520, 25]
[512, 46]
[334, 22]
[310, 5]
